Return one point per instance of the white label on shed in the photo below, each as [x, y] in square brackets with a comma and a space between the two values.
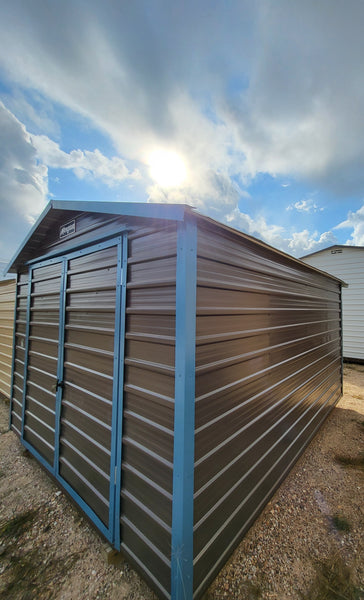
[67, 229]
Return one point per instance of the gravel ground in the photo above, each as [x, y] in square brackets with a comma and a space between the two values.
[49, 551]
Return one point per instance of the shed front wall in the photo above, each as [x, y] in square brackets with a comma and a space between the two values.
[347, 264]
[7, 303]
[268, 371]
[142, 509]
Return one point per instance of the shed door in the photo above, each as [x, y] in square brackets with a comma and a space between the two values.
[72, 391]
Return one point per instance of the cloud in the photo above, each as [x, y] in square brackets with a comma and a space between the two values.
[305, 206]
[354, 221]
[23, 182]
[83, 163]
[24, 163]
[271, 87]
[298, 243]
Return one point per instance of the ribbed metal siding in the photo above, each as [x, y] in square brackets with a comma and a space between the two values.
[86, 408]
[7, 303]
[147, 466]
[348, 264]
[19, 353]
[42, 355]
[268, 370]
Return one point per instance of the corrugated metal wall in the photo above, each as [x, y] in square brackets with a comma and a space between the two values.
[147, 466]
[268, 370]
[19, 352]
[347, 264]
[7, 304]
[85, 417]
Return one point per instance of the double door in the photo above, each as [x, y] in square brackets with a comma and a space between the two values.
[72, 399]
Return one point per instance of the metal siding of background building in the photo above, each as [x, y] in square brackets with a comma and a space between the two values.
[7, 304]
[268, 370]
[20, 325]
[347, 263]
[148, 416]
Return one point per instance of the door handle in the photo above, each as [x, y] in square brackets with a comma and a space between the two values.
[59, 384]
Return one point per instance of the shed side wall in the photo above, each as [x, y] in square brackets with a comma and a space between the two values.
[268, 370]
[148, 415]
[7, 303]
[347, 264]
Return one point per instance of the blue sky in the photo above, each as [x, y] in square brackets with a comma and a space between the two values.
[253, 112]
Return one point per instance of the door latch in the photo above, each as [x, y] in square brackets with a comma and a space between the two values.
[59, 384]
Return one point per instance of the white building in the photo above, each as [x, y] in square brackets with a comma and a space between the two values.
[346, 263]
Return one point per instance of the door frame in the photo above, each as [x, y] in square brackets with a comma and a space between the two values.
[112, 531]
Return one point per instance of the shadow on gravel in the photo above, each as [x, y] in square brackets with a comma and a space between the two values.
[28, 574]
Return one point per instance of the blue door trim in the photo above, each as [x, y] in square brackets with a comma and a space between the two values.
[119, 392]
[60, 363]
[112, 530]
[184, 413]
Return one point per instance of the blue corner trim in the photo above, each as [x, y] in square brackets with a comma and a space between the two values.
[13, 354]
[118, 402]
[184, 413]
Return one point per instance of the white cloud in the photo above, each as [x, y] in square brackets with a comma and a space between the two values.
[23, 182]
[83, 163]
[308, 206]
[298, 243]
[136, 74]
[354, 221]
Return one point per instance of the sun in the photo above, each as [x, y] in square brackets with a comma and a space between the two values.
[167, 168]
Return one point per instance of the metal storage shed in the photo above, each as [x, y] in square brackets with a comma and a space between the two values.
[168, 372]
[346, 262]
[7, 304]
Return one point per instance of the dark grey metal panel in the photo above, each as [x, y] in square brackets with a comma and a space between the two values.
[148, 418]
[41, 377]
[268, 370]
[86, 408]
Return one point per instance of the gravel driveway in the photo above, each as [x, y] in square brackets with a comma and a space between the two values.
[308, 538]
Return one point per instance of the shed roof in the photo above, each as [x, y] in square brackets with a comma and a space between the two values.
[334, 247]
[174, 212]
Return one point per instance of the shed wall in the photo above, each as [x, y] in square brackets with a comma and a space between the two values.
[148, 416]
[268, 371]
[7, 304]
[147, 398]
[347, 264]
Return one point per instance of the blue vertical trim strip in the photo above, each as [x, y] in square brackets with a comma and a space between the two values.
[184, 413]
[60, 364]
[27, 331]
[13, 356]
[342, 339]
[119, 439]
[115, 391]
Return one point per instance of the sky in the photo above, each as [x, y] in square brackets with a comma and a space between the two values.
[252, 112]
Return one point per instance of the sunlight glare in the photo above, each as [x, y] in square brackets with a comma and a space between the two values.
[167, 168]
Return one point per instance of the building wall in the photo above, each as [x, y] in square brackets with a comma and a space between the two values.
[148, 391]
[347, 264]
[148, 416]
[268, 371]
[7, 303]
